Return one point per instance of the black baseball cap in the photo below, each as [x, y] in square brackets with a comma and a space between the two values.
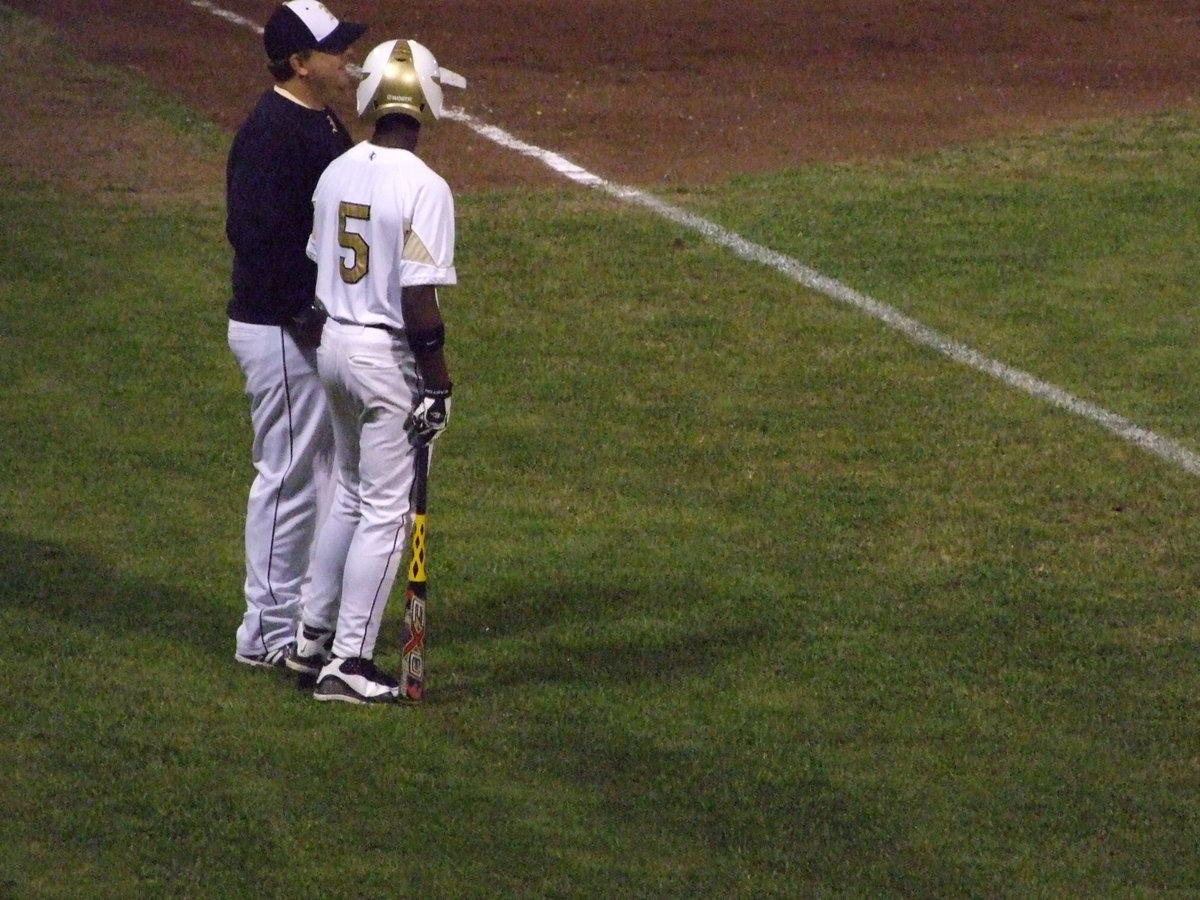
[301, 25]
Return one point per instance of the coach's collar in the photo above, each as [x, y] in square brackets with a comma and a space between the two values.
[286, 93]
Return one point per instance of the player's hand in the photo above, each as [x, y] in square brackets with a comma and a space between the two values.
[430, 416]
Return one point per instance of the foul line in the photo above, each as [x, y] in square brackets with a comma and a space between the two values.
[835, 290]
[813, 280]
[227, 15]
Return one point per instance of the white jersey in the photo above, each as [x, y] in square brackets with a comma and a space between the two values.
[382, 220]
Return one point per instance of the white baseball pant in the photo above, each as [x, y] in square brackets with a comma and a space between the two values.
[293, 457]
[370, 379]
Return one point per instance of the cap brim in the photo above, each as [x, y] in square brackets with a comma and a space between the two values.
[340, 39]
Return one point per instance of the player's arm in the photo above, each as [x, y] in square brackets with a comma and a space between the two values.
[426, 334]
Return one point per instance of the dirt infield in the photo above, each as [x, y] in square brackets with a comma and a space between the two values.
[693, 91]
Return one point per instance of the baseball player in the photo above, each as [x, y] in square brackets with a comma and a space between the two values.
[383, 242]
[274, 163]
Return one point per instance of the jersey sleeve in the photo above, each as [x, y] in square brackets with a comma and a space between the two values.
[427, 255]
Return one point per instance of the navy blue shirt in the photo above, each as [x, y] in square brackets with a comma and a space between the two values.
[274, 163]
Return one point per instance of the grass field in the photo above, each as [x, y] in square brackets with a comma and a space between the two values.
[734, 591]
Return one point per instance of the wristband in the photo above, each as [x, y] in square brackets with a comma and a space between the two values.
[427, 341]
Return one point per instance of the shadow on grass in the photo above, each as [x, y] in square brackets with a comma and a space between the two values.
[734, 792]
[706, 783]
[576, 631]
[61, 583]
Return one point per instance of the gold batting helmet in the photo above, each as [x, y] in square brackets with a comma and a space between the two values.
[403, 77]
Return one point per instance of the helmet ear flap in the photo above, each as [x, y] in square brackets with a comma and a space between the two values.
[370, 86]
[426, 68]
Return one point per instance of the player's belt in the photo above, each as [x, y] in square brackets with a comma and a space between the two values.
[394, 332]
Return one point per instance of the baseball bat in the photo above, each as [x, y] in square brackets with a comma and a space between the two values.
[412, 636]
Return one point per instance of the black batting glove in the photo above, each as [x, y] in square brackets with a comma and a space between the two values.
[430, 416]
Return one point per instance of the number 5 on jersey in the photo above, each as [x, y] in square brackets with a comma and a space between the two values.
[360, 253]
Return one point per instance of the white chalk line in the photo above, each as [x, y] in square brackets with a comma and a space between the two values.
[227, 15]
[809, 278]
[835, 290]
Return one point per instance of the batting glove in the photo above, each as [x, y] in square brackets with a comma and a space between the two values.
[430, 416]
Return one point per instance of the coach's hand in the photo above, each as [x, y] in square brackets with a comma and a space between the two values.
[431, 414]
[306, 327]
